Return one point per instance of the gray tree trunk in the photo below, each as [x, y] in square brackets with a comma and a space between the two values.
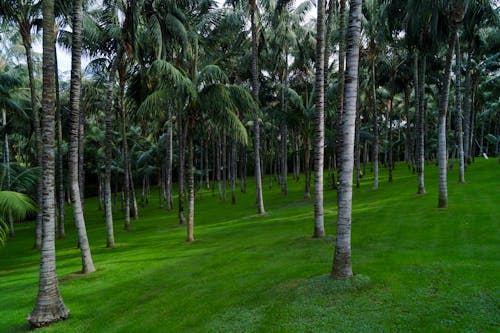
[190, 181]
[255, 93]
[467, 107]
[375, 126]
[6, 161]
[319, 126]
[75, 121]
[233, 171]
[169, 158]
[49, 306]
[26, 36]
[180, 139]
[108, 209]
[419, 78]
[443, 110]
[458, 106]
[60, 170]
[284, 158]
[342, 265]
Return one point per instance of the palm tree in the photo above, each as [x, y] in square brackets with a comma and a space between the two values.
[319, 127]
[459, 115]
[455, 16]
[75, 101]
[13, 205]
[49, 306]
[255, 91]
[26, 15]
[342, 265]
[8, 82]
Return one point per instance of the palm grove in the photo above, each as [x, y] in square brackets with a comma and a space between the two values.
[202, 95]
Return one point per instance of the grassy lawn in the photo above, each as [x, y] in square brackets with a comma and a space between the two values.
[418, 268]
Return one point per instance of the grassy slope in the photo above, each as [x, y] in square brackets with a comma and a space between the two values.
[423, 269]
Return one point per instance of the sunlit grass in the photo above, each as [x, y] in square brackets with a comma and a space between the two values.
[418, 268]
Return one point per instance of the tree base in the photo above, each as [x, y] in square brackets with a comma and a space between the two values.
[45, 315]
[319, 233]
[443, 203]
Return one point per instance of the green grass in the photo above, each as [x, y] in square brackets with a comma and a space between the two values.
[417, 268]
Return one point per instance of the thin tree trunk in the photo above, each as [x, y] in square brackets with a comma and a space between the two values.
[180, 138]
[357, 146]
[255, 93]
[202, 160]
[375, 126]
[81, 169]
[75, 121]
[224, 166]
[341, 79]
[419, 78]
[467, 107]
[307, 170]
[284, 158]
[458, 106]
[443, 109]
[26, 36]
[126, 178]
[391, 164]
[207, 169]
[6, 161]
[108, 209]
[169, 158]
[233, 171]
[60, 170]
[190, 181]
[342, 265]
[135, 213]
[319, 128]
[219, 166]
[49, 306]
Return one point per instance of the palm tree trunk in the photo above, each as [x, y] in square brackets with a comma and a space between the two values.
[319, 128]
[307, 171]
[75, 121]
[391, 164]
[255, 93]
[60, 170]
[169, 158]
[135, 213]
[49, 306]
[419, 82]
[233, 171]
[357, 147]
[126, 175]
[284, 159]
[342, 265]
[26, 36]
[110, 238]
[207, 169]
[190, 181]
[6, 161]
[458, 106]
[375, 126]
[81, 169]
[443, 109]
[467, 106]
[341, 80]
[224, 166]
[180, 138]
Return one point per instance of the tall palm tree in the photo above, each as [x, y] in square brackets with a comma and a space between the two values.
[75, 101]
[49, 306]
[26, 15]
[456, 11]
[319, 126]
[458, 110]
[255, 91]
[342, 265]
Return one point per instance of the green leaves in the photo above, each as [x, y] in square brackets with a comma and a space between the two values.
[16, 204]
